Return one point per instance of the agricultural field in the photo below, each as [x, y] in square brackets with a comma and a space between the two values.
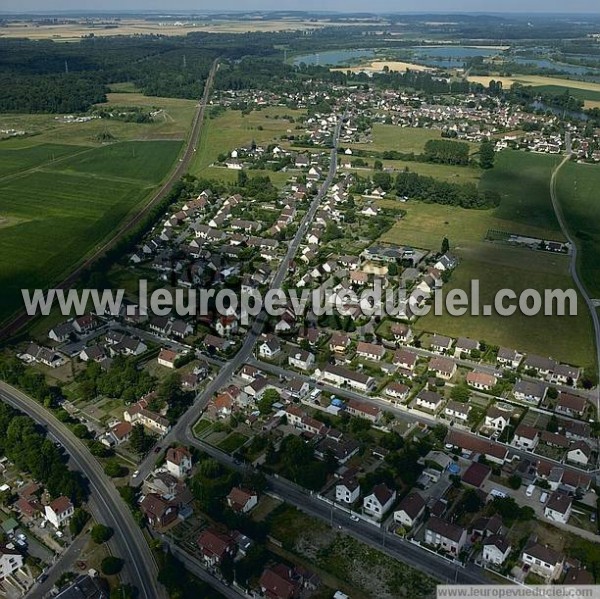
[15, 159]
[232, 129]
[523, 180]
[54, 214]
[577, 187]
[172, 121]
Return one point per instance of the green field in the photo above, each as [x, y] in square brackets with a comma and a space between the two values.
[523, 181]
[16, 159]
[577, 187]
[55, 214]
[582, 94]
[232, 130]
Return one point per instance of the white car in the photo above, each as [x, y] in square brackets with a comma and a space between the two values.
[354, 518]
[136, 474]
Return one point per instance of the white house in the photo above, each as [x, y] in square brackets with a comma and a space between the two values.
[558, 508]
[410, 510]
[509, 358]
[302, 359]
[456, 410]
[269, 347]
[241, 500]
[445, 368]
[496, 549]
[59, 511]
[526, 437]
[179, 461]
[497, 419]
[579, 453]
[347, 491]
[429, 400]
[543, 560]
[10, 560]
[379, 501]
[370, 351]
[445, 535]
[167, 358]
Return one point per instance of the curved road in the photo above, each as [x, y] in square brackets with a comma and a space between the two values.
[21, 319]
[573, 266]
[105, 502]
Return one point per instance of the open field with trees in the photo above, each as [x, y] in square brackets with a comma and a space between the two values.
[523, 182]
[58, 212]
[577, 186]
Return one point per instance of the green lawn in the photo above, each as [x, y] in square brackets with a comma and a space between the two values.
[444, 172]
[577, 186]
[233, 442]
[232, 130]
[582, 94]
[51, 218]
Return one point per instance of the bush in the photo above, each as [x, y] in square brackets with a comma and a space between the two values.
[78, 521]
[114, 469]
[111, 565]
[101, 533]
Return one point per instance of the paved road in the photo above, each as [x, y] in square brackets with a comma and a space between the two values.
[408, 416]
[13, 325]
[404, 551]
[573, 265]
[105, 502]
[190, 417]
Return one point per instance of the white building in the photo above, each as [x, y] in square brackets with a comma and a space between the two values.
[179, 461]
[347, 491]
[495, 550]
[59, 511]
[379, 501]
[10, 560]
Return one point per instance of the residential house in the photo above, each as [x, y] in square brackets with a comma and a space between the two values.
[397, 391]
[61, 332]
[543, 367]
[269, 347]
[59, 511]
[402, 332]
[179, 461]
[496, 549]
[159, 511]
[445, 535]
[406, 360]
[465, 345]
[379, 501]
[347, 491]
[167, 358]
[480, 380]
[361, 409]
[339, 343]
[445, 368]
[559, 507]
[10, 561]
[543, 560]
[279, 582]
[497, 419]
[476, 474]
[565, 375]
[441, 344]
[302, 359]
[241, 500]
[494, 452]
[570, 405]
[410, 510]
[509, 358]
[529, 391]
[342, 376]
[215, 546]
[429, 400]
[370, 351]
[456, 410]
[526, 437]
[579, 453]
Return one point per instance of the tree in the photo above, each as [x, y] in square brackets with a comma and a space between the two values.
[101, 533]
[515, 481]
[139, 439]
[111, 565]
[114, 469]
[487, 155]
[378, 165]
[265, 404]
[78, 521]
[445, 246]
[552, 392]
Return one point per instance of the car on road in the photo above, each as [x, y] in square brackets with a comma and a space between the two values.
[354, 518]
[136, 474]
[593, 517]
[157, 449]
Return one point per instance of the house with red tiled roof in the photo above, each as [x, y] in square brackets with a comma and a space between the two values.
[59, 512]
[179, 461]
[242, 500]
[278, 582]
[215, 546]
[159, 511]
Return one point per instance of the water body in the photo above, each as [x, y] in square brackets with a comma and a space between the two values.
[545, 63]
[334, 58]
[580, 116]
[449, 57]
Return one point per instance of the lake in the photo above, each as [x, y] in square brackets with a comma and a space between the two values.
[334, 58]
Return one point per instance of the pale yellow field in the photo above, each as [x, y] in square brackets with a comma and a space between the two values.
[591, 103]
[536, 80]
[377, 66]
[76, 30]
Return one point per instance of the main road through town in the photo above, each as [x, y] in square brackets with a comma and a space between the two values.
[227, 371]
[105, 503]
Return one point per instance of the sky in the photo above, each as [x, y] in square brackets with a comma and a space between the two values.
[527, 6]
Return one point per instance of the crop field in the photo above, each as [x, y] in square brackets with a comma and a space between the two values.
[53, 215]
[232, 130]
[443, 172]
[523, 180]
[577, 187]
[15, 159]
[587, 89]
